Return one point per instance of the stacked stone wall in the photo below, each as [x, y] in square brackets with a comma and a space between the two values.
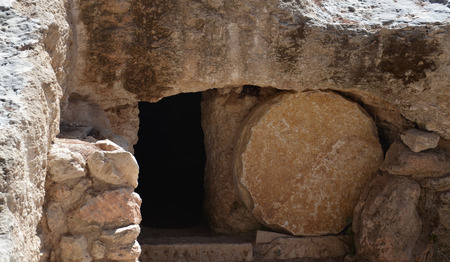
[91, 212]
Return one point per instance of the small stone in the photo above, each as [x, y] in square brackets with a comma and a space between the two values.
[69, 196]
[302, 159]
[64, 164]
[418, 140]
[127, 252]
[121, 236]
[439, 184]
[118, 208]
[114, 167]
[386, 221]
[74, 249]
[304, 247]
[98, 250]
[400, 160]
[56, 218]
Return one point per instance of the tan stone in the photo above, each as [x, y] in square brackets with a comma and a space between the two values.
[121, 236]
[304, 247]
[69, 196]
[125, 252]
[98, 250]
[207, 252]
[302, 159]
[418, 140]
[400, 160]
[114, 167]
[56, 218]
[65, 164]
[386, 221]
[74, 249]
[107, 145]
[117, 208]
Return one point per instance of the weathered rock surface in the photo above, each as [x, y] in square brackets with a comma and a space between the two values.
[208, 252]
[113, 209]
[114, 167]
[129, 252]
[444, 209]
[121, 236]
[386, 221]
[29, 110]
[74, 249]
[56, 218]
[267, 236]
[98, 250]
[304, 248]
[222, 113]
[302, 159]
[418, 140]
[85, 217]
[382, 48]
[65, 164]
[124, 51]
[437, 183]
[400, 160]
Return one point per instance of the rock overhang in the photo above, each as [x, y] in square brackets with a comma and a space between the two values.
[373, 15]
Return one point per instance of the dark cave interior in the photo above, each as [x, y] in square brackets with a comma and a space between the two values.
[171, 157]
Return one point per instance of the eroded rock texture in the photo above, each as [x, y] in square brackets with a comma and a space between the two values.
[301, 161]
[90, 211]
[141, 50]
[30, 78]
[387, 223]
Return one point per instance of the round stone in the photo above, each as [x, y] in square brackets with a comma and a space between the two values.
[302, 159]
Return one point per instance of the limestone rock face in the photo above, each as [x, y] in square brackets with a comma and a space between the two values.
[154, 49]
[30, 78]
[302, 159]
[386, 222]
[418, 140]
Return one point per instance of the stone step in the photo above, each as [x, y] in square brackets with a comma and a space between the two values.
[186, 252]
[265, 246]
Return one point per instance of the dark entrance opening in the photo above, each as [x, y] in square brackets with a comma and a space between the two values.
[171, 157]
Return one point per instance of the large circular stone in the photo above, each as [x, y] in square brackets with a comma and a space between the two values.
[302, 159]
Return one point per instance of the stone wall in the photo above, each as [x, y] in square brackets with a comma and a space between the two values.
[90, 209]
